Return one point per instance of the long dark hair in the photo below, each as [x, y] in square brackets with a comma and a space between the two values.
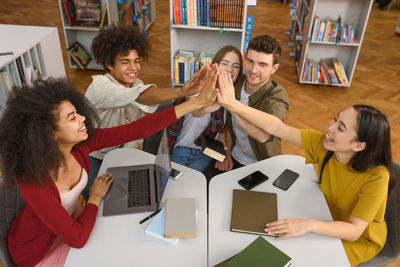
[27, 144]
[374, 130]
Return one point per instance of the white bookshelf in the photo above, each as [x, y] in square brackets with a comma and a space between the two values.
[351, 11]
[203, 38]
[85, 35]
[36, 49]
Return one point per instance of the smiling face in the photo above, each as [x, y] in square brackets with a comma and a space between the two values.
[258, 68]
[341, 136]
[126, 68]
[71, 127]
[230, 63]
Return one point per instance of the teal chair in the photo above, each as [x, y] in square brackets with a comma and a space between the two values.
[391, 250]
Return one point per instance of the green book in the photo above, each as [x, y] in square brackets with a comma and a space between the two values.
[260, 253]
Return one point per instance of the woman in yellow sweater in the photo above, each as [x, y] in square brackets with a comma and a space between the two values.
[355, 179]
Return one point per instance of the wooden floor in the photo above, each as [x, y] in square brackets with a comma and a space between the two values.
[376, 79]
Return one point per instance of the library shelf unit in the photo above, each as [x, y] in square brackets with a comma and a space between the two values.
[36, 53]
[148, 14]
[204, 38]
[350, 11]
[83, 34]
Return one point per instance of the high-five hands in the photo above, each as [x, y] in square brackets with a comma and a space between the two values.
[193, 86]
[207, 94]
[226, 91]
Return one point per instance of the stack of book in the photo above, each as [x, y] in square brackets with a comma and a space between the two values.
[332, 31]
[329, 72]
[176, 220]
[213, 13]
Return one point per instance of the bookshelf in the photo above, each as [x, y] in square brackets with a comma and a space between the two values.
[203, 38]
[306, 48]
[36, 53]
[145, 13]
[85, 35]
[115, 14]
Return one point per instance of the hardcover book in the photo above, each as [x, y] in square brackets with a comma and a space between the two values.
[87, 12]
[252, 210]
[213, 148]
[180, 217]
[79, 55]
[69, 9]
[259, 253]
[156, 228]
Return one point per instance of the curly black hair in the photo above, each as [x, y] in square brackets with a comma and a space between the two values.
[117, 40]
[27, 126]
[266, 44]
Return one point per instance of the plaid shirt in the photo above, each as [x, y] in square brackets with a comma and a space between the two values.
[215, 126]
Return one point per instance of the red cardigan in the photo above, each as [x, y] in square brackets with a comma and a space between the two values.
[43, 218]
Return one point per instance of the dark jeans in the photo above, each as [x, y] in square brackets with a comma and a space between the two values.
[94, 165]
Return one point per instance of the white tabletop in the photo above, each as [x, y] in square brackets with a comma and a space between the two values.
[122, 241]
[303, 199]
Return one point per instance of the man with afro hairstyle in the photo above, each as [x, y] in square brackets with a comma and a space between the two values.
[118, 96]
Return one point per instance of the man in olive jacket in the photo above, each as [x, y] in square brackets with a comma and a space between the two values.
[245, 142]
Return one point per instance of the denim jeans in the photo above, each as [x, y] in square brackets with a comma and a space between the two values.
[190, 157]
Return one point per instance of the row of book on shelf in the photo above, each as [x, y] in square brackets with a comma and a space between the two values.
[134, 11]
[84, 13]
[332, 31]
[14, 77]
[212, 13]
[328, 71]
[186, 63]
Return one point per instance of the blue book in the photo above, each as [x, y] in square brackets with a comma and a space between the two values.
[156, 228]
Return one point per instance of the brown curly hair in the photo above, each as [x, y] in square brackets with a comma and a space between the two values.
[27, 126]
[118, 40]
[266, 44]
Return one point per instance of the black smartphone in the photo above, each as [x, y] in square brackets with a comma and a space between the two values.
[252, 180]
[286, 179]
[175, 174]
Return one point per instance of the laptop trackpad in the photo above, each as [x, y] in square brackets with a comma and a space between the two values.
[119, 189]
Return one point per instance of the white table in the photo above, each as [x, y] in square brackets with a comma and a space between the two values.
[122, 241]
[303, 199]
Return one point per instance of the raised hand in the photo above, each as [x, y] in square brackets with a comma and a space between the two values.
[207, 93]
[226, 91]
[193, 86]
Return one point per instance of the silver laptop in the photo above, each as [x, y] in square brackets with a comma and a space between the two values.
[139, 188]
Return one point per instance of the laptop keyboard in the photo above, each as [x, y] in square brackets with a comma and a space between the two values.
[138, 188]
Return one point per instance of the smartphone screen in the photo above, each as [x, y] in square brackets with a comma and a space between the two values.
[175, 174]
[286, 179]
[252, 180]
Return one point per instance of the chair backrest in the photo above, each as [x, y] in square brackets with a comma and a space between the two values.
[151, 143]
[391, 250]
[11, 204]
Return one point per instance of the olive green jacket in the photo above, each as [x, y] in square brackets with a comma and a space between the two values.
[270, 98]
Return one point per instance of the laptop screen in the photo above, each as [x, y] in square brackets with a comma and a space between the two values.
[162, 165]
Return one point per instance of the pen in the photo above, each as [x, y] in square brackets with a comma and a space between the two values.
[151, 215]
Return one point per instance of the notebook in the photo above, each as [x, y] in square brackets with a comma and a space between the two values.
[180, 217]
[259, 253]
[139, 188]
[156, 228]
[252, 210]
